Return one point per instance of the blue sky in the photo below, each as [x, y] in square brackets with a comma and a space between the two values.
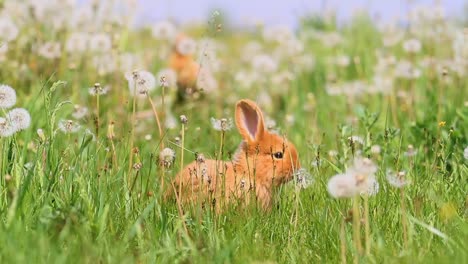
[279, 11]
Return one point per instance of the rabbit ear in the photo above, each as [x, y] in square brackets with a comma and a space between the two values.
[249, 120]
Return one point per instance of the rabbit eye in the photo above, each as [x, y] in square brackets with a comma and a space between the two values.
[278, 155]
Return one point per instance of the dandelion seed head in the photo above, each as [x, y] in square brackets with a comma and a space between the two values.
[9, 30]
[80, 112]
[104, 63]
[270, 123]
[375, 149]
[412, 45]
[100, 42]
[358, 179]
[167, 78]
[222, 124]
[164, 30]
[183, 119]
[356, 139]
[342, 186]
[200, 158]
[77, 42]
[206, 81]
[6, 128]
[50, 50]
[343, 61]
[19, 118]
[406, 70]
[68, 126]
[364, 166]
[303, 178]
[397, 180]
[465, 153]
[7, 96]
[186, 46]
[316, 163]
[97, 89]
[167, 157]
[264, 63]
[242, 184]
[140, 82]
[373, 187]
[171, 121]
[204, 173]
[278, 33]
[411, 151]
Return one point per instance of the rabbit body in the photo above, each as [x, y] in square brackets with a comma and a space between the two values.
[262, 162]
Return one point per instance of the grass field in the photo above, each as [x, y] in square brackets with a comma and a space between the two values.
[81, 182]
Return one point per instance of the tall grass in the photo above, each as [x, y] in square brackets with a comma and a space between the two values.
[73, 198]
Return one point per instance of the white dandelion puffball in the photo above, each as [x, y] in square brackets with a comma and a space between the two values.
[412, 45]
[375, 149]
[140, 82]
[7, 96]
[186, 46]
[77, 42]
[303, 178]
[19, 118]
[100, 42]
[167, 157]
[264, 63]
[164, 30]
[373, 187]
[50, 50]
[68, 126]
[222, 124]
[8, 28]
[397, 180]
[6, 128]
[167, 77]
[465, 153]
[342, 186]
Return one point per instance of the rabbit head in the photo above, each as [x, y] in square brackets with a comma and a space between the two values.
[272, 156]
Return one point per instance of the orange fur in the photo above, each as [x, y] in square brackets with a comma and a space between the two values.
[253, 172]
[185, 66]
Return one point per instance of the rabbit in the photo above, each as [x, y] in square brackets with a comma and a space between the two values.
[186, 68]
[262, 162]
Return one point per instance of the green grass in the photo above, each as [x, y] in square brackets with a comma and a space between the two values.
[67, 201]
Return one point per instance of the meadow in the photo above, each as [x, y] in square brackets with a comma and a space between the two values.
[95, 122]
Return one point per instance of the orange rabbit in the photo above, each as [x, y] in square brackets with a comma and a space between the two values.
[185, 67]
[262, 162]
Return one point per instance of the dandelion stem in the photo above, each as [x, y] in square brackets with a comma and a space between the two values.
[357, 228]
[179, 207]
[343, 241]
[367, 224]
[403, 218]
[155, 112]
[220, 157]
[163, 112]
[393, 106]
[97, 115]
[162, 177]
[182, 154]
[132, 137]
